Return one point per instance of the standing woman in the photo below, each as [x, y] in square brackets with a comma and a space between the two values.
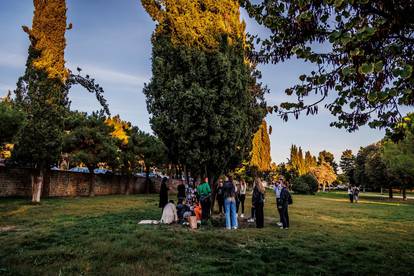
[243, 188]
[163, 193]
[220, 198]
[258, 202]
[229, 194]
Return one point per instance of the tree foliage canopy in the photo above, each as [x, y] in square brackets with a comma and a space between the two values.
[363, 52]
[198, 23]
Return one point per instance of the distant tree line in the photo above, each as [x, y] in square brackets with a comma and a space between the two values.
[386, 164]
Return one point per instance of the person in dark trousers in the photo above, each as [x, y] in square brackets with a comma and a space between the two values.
[351, 194]
[253, 210]
[278, 189]
[285, 200]
[243, 188]
[204, 193]
[237, 187]
[258, 202]
[220, 198]
[163, 193]
[181, 191]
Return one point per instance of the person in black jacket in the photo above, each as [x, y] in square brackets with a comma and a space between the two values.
[181, 191]
[285, 199]
[163, 193]
[258, 202]
[220, 197]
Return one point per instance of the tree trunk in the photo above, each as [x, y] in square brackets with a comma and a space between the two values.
[323, 187]
[213, 192]
[91, 182]
[390, 193]
[382, 190]
[128, 184]
[147, 179]
[37, 184]
[404, 193]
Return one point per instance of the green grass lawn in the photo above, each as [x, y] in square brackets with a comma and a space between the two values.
[100, 235]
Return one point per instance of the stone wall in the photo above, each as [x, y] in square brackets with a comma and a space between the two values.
[17, 182]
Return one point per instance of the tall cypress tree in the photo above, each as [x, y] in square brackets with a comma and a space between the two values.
[203, 98]
[42, 92]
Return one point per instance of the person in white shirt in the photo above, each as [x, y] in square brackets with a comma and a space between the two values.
[243, 188]
[278, 188]
[169, 213]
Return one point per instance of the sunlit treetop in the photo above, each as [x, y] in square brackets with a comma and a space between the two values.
[121, 128]
[261, 158]
[199, 23]
[48, 37]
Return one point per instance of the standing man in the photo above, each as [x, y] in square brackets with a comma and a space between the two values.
[204, 192]
[278, 190]
[285, 200]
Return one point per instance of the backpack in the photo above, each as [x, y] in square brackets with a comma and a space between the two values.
[290, 200]
[288, 195]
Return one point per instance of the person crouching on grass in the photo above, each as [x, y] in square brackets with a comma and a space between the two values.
[204, 192]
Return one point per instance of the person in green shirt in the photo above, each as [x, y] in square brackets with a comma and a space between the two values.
[204, 193]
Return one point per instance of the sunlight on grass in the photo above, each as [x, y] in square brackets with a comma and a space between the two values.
[100, 235]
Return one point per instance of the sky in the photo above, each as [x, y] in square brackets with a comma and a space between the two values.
[111, 41]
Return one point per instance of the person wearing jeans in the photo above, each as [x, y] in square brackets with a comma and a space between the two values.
[229, 194]
[231, 215]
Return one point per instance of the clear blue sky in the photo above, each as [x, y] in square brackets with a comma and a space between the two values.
[110, 40]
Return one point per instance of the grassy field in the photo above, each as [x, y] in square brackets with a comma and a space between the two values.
[82, 236]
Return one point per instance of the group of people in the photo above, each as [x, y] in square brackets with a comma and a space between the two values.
[353, 193]
[195, 200]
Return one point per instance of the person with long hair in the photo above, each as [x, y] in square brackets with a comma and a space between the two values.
[220, 198]
[163, 193]
[229, 194]
[258, 202]
[242, 196]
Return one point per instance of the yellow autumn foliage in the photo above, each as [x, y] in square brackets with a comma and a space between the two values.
[5, 151]
[48, 36]
[120, 128]
[261, 158]
[197, 23]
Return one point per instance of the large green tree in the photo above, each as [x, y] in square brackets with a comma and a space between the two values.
[363, 53]
[399, 161]
[11, 121]
[347, 164]
[89, 141]
[204, 104]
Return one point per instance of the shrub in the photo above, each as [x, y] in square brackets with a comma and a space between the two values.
[305, 184]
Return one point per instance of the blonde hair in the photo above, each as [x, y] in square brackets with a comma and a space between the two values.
[259, 185]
